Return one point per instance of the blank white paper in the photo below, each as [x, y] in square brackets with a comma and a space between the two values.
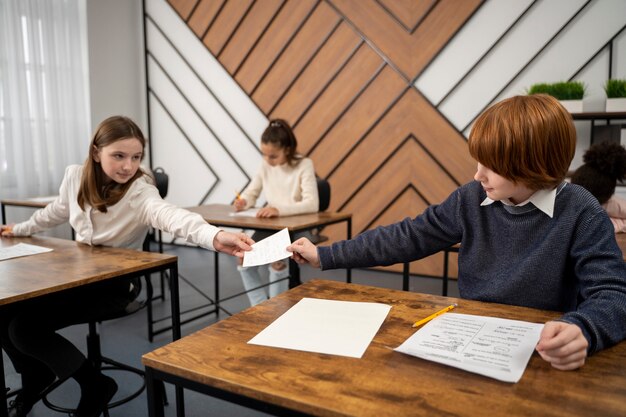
[271, 249]
[489, 346]
[344, 328]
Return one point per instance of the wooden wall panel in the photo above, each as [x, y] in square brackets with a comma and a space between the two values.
[252, 27]
[408, 12]
[337, 98]
[203, 16]
[309, 39]
[341, 72]
[225, 24]
[360, 117]
[184, 7]
[410, 52]
[315, 79]
[272, 42]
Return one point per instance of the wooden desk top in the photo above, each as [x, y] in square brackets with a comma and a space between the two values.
[35, 202]
[69, 265]
[384, 382]
[219, 215]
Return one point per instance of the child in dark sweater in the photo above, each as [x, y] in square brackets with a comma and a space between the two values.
[605, 164]
[527, 237]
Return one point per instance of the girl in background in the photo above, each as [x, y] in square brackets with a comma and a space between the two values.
[605, 164]
[108, 201]
[288, 181]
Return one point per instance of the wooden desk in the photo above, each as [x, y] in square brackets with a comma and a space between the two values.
[71, 265]
[218, 361]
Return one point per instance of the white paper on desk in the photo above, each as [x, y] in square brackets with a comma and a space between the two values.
[251, 212]
[343, 328]
[489, 346]
[21, 249]
[271, 249]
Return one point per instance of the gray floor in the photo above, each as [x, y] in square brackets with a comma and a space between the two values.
[126, 339]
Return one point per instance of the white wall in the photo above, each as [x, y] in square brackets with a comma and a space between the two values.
[116, 60]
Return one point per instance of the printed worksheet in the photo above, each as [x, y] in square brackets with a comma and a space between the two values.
[489, 346]
[21, 249]
[271, 249]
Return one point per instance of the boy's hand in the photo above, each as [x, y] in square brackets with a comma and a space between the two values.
[232, 243]
[563, 345]
[304, 252]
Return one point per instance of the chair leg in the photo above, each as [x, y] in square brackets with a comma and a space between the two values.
[94, 354]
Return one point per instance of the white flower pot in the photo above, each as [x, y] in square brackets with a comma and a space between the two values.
[572, 106]
[615, 104]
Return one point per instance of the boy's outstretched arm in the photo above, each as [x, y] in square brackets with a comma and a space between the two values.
[563, 345]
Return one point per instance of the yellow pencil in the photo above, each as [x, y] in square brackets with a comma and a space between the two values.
[237, 194]
[432, 316]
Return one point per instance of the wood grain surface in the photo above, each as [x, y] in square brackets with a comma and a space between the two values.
[69, 265]
[384, 382]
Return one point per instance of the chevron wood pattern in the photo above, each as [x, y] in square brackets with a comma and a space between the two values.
[341, 72]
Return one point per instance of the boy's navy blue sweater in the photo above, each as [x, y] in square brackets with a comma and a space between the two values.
[514, 255]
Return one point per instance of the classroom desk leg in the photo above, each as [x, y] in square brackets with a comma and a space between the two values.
[405, 276]
[349, 236]
[294, 274]
[175, 302]
[3, 387]
[155, 396]
[216, 277]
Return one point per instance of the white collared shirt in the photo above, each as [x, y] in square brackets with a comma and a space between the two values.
[542, 199]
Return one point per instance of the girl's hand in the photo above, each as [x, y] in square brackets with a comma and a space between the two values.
[267, 212]
[563, 345]
[6, 230]
[240, 204]
[232, 243]
[304, 252]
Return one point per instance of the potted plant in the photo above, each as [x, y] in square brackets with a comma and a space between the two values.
[569, 93]
[615, 95]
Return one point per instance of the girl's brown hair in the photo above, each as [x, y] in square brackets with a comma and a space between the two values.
[526, 139]
[280, 134]
[95, 189]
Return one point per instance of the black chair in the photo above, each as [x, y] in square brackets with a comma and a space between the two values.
[101, 362]
[323, 192]
[161, 182]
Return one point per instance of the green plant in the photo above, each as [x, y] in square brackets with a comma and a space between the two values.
[615, 88]
[564, 90]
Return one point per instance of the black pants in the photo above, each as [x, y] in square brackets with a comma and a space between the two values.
[29, 330]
